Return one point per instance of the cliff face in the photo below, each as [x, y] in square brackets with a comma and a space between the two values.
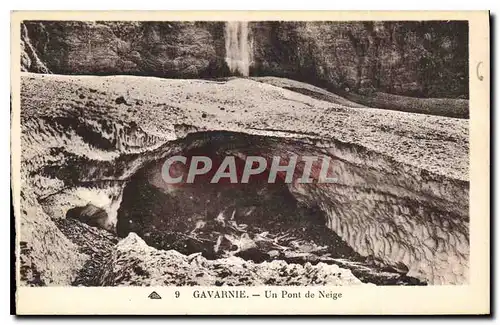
[423, 59]
[166, 49]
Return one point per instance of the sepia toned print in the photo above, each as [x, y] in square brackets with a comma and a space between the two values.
[244, 153]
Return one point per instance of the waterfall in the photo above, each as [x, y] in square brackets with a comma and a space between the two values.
[238, 47]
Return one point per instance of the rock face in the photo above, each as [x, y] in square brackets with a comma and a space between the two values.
[401, 198]
[29, 57]
[173, 49]
[422, 59]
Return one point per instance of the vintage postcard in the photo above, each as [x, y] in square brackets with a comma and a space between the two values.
[244, 163]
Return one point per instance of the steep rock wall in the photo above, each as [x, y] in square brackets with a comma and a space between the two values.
[169, 49]
[423, 59]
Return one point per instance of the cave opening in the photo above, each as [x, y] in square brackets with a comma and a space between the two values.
[223, 218]
[257, 221]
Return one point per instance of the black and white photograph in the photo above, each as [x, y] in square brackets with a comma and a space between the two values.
[244, 153]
